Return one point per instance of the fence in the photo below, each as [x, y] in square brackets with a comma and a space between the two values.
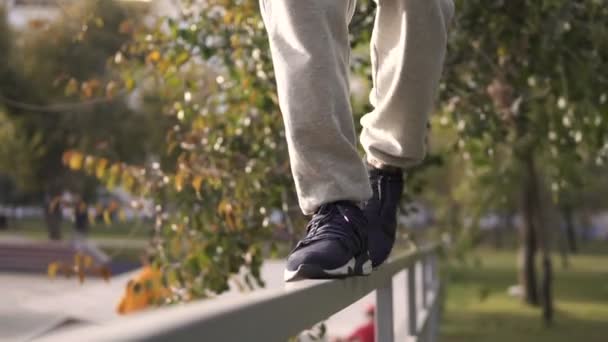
[277, 315]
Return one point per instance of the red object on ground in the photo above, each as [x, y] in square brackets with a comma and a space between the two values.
[365, 333]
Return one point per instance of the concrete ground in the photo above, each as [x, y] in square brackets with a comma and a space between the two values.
[34, 304]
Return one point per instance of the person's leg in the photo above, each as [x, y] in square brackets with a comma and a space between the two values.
[311, 52]
[408, 50]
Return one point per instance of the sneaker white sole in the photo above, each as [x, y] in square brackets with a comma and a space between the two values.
[306, 271]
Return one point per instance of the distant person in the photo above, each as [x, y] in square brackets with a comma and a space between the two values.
[366, 332]
[81, 230]
[353, 202]
[99, 209]
[53, 216]
[81, 217]
[3, 220]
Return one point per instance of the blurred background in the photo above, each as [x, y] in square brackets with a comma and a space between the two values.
[141, 140]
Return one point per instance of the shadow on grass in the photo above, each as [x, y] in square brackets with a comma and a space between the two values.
[479, 309]
[503, 327]
[594, 248]
[586, 280]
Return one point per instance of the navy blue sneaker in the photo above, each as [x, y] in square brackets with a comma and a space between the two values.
[335, 245]
[381, 212]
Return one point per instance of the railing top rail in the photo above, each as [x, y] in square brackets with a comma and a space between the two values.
[265, 315]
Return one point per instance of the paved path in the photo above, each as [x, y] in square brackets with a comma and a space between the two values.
[111, 242]
[33, 304]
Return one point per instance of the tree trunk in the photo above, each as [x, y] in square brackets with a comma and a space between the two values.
[563, 250]
[498, 232]
[538, 217]
[527, 265]
[562, 240]
[543, 241]
[547, 289]
[570, 231]
[528, 245]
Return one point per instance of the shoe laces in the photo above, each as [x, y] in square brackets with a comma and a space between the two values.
[331, 221]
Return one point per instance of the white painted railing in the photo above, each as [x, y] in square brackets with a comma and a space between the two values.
[277, 315]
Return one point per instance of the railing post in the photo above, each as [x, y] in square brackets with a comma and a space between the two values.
[384, 313]
[434, 274]
[434, 313]
[424, 281]
[412, 319]
[431, 326]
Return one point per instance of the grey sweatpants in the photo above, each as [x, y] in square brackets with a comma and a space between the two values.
[310, 49]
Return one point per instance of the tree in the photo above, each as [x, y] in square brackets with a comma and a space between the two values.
[525, 86]
[58, 94]
[225, 177]
[226, 169]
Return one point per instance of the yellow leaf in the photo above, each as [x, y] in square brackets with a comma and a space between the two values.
[502, 51]
[76, 161]
[246, 82]
[239, 17]
[89, 164]
[128, 180]
[101, 167]
[130, 83]
[107, 217]
[199, 124]
[77, 260]
[115, 170]
[122, 216]
[225, 208]
[88, 88]
[72, 87]
[163, 66]
[228, 17]
[179, 181]
[182, 58]
[235, 41]
[91, 216]
[171, 146]
[87, 261]
[197, 182]
[52, 269]
[111, 89]
[65, 158]
[153, 56]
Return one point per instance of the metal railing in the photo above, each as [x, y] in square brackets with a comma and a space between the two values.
[278, 314]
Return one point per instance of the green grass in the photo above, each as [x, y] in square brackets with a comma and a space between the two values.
[478, 307]
[110, 238]
[36, 229]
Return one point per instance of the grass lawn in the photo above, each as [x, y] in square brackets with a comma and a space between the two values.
[122, 241]
[36, 229]
[479, 309]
